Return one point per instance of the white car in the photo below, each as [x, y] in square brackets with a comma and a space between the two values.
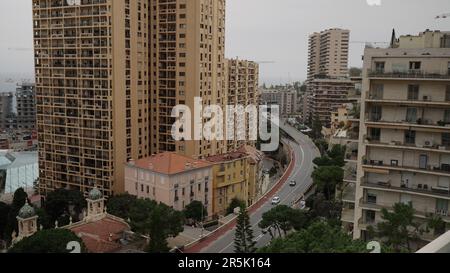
[276, 200]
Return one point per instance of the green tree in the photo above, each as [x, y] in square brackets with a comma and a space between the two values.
[157, 221]
[4, 212]
[244, 239]
[47, 241]
[436, 224]
[398, 228]
[120, 205]
[319, 237]
[316, 128]
[327, 178]
[196, 211]
[282, 219]
[320, 207]
[19, 199]
[62, 204]
[235, 203]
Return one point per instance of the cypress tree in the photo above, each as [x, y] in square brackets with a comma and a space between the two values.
[244, 239]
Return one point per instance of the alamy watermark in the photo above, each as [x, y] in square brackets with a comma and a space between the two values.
[235, 122]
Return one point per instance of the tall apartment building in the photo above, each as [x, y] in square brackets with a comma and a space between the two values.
[326, 95]
[242, 89]
[7, 117]
[91, 65]
[328, 53]
[405, 135]
[26, 106]
[327, 65]
[187, 61]
[286, 99]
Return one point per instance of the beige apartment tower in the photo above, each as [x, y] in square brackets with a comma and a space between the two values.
[404, 145]
[242, 89]
[187, 61]
[328, 53]
[91, 59]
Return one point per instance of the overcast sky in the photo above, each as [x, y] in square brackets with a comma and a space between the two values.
[264, 30]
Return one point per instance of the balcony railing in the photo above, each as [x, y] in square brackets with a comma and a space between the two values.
[443, 169]
[420, 188]
[408, 74]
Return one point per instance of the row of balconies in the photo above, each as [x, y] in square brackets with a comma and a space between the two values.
[409, 74]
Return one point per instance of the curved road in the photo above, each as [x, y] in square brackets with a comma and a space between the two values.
[305, 151]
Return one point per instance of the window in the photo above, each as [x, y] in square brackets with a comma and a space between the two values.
[371, 198]
[377, 92]
[413, 92]
[447, 116]
[445, 139]
[379, 67]
[411, 115]
[370, 216]
[376, 113]
[442, 207]
[414, 65]
[410, 137]
[447, 93]
[375, 134]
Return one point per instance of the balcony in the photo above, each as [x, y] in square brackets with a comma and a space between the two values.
[427, 212]
[426, 101]
[427, 147]
[420, 125]
[378, 166]
[412, 74]
[418, 189]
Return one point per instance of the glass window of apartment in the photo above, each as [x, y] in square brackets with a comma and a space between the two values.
[375, 134]
[375, 113]
[377, 92]
[371, 198]
[379, 67]
[446, 139]
[370, 216]
[413, 92]
[410, 137]
[442, 207]
[447, 116]
[411, 115]
[415, 65]
[447, 93]
[448, 68]
[445, 41]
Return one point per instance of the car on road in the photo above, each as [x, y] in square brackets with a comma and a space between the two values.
[276, 200]
[293, 183]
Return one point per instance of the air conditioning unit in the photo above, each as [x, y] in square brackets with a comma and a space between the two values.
[428, 143]
[426, 98]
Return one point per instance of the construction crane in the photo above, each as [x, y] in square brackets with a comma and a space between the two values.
[442, 16]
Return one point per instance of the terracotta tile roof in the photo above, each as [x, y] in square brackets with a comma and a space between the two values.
[101, 236]
[170, 163]
[226, 157]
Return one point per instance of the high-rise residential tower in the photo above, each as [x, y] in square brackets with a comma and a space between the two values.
[91, 59]
[242, 89]
[327, 66]
[187, 61]
[328, 53]
[404, 134]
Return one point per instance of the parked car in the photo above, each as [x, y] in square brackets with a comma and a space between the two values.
[276, 200]
[293, 183]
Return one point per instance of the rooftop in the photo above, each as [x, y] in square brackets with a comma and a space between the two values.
[227, 157]
[169, 163]
[101, 236]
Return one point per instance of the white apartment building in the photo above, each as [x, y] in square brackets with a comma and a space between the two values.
[404, 144]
